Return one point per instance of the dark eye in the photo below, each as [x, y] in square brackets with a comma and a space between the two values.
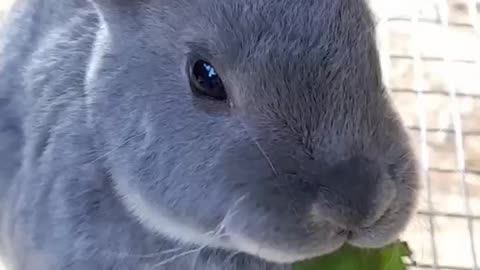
[204, 80]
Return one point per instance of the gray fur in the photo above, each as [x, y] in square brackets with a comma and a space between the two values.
[107, 160]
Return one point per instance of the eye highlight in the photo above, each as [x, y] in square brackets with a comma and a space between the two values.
[205, 81]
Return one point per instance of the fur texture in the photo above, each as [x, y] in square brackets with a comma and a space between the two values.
[107, 160]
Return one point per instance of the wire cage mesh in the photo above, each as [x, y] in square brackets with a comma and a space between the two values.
[430, 53]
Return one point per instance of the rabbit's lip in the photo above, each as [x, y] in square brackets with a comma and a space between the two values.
[368, 237]
[387, 228]
[275, 255]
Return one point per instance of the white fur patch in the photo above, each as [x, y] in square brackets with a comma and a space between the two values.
[157, 220]
[100, 46]
[160, 222]
[263, 251]
[272, 254]
[152, 217]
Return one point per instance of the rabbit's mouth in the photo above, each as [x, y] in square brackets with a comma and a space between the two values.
[291, 246]
[368, 237]
[275, 255]
[326, 238]
[389, 226]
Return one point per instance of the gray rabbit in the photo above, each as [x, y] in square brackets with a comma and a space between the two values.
[196, 134]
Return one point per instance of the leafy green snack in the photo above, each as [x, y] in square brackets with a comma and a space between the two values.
[351, 258]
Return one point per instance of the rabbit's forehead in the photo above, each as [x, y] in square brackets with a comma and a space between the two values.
[310, 79]
[246, 27]
[310, 39]
[281, 56]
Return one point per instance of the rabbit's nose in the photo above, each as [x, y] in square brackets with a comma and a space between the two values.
[355, 193]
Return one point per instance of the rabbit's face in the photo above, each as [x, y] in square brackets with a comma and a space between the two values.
[257, 126]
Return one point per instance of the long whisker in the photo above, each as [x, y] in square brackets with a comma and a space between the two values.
[265, 155]
[183, 254]
[218, 231]
[260, 148]
[144, 256]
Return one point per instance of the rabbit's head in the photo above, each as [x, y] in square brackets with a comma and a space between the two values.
[256, 126]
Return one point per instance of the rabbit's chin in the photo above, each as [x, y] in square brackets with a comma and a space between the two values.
[383, 232]
[227, 238]
[223, 238]
[364, 239]
[274, 255]
[368, 238]
[159, 222]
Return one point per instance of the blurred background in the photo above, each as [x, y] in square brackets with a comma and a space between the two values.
[430, 51]
[431, 61]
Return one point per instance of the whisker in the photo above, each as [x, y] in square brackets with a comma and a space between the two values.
[260, 148]
[186, 253]
[145, 256]
[171, 259]
[221, 226]
[265, 155]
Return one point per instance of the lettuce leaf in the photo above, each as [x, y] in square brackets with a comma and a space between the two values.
[351, 258]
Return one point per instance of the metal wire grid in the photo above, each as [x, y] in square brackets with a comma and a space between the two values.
[457, 131]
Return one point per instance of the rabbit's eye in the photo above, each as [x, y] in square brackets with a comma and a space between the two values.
[204, 80]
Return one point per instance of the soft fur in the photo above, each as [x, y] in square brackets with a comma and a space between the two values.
[107, 160]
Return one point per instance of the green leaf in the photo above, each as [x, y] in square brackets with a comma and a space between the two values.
[351, 258]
